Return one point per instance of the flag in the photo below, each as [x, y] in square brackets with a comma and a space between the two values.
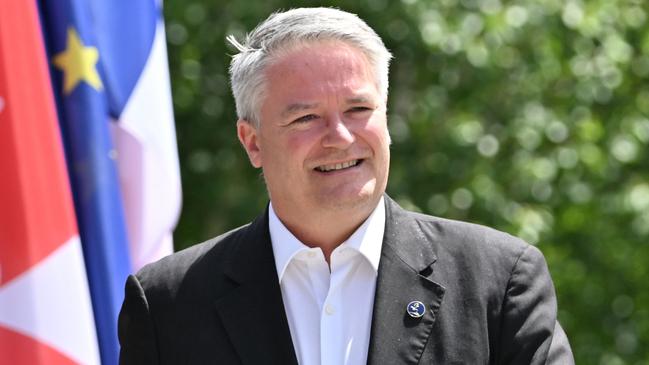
[45, 310]
[110, 78]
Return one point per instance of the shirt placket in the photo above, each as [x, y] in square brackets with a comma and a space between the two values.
[333, 334]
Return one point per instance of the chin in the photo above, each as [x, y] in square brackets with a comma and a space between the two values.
[364, 198]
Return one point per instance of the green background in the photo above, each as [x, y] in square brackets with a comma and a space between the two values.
[528, 116]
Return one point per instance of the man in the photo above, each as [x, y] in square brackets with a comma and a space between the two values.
[334, 271]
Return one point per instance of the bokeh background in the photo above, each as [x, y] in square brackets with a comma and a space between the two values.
[528, 116]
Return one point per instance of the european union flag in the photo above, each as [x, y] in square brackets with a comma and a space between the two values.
[119, 161]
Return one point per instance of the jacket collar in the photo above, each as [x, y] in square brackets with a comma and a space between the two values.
[405, 273]
[253, 313]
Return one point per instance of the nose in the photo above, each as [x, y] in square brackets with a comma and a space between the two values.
[338, 134]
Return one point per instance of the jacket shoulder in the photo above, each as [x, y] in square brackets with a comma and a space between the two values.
[168, 273]
[458, 237]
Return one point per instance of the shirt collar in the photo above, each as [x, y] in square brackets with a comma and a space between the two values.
[367, 239]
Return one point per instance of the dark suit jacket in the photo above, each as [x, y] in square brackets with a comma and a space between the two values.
[489, 297]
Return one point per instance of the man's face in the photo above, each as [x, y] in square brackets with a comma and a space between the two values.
[322, 141]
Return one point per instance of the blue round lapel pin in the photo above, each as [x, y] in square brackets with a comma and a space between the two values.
[416, 309]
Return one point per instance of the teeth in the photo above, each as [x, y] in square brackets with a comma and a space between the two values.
[338, 166]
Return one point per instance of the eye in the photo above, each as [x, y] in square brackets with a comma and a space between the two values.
[305, 118]
[359, 109]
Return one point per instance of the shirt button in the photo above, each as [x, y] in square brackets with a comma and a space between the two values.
[329, 309]
[311, 254]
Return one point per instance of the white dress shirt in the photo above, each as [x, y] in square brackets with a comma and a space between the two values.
[329, 312]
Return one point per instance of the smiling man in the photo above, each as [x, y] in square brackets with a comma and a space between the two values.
[323, 144]
[334, 271]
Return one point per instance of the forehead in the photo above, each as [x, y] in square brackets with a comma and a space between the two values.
[324, 66]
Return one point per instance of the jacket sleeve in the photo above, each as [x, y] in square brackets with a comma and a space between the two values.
[135, 327]
[560, 352]
[529, 316]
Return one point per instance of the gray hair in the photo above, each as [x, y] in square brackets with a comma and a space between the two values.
[283, 31]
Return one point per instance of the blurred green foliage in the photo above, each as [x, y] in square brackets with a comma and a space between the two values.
[530, 116]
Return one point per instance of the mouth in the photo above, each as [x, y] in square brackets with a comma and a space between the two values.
[338, 166]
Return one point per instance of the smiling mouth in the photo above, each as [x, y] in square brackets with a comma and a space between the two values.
[338, 166]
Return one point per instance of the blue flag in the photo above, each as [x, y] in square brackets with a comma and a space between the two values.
[108, 61]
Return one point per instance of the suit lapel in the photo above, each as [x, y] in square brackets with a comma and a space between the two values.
[253, 313]
[405, 269]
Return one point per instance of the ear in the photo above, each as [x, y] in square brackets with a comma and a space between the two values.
[249, 139]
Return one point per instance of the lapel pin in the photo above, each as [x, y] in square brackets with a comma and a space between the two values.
[416, 309]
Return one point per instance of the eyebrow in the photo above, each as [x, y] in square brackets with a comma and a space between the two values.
[361, 99]
[298, 107]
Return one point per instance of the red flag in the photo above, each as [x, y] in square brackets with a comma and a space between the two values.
[45, 311]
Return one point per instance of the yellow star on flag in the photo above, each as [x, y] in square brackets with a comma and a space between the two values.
[78, 63]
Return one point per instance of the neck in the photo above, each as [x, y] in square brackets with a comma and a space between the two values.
[325, 230]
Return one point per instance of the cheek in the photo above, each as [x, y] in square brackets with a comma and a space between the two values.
[286, 154]
[300, 143]
[379, 136]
